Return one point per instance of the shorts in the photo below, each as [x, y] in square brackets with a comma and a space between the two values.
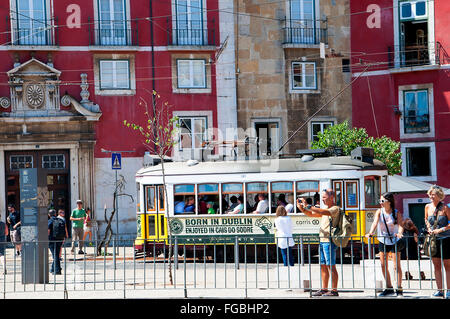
[445, 243]
[386, 248]
[15, 236]
[87, 229]
[327, 252]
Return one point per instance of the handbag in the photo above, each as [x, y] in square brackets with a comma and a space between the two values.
[430, 248]
[399, 243]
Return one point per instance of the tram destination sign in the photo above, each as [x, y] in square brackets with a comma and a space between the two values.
[255, 228]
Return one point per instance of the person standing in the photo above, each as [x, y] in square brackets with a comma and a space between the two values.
[56, 235]
[389, 223]
[285, 242]
[87, 226]
[327, 249]
[14, 227]
[440, 228]
[61, 215]
[77, 217]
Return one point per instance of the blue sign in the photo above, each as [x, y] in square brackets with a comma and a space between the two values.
[116, 159]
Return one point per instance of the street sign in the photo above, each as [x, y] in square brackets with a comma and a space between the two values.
[116, 159]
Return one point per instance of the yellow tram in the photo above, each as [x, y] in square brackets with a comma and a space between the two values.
[200, 195]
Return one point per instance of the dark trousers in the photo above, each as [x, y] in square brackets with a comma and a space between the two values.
[55, 248]
[284, 253]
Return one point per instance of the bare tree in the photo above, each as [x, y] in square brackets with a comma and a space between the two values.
[159, 137]
[118, 191]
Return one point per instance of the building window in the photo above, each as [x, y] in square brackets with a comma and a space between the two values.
[54, 161]
[304, 76]
[346, 65]
[191, 74]
[192, 132]
[190, 29]
[30, 25]
[302, 26]
[413, 10]
[112, 22]
[268, 137]
[416, 112]
[114, 74]
[319, 127]
[21, 161]
[419, 160]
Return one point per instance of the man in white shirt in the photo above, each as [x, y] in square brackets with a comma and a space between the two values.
[263, 205]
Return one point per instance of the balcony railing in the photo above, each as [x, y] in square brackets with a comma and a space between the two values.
[305, 32]
[113, 32]
[192, 33]
[402, 56]
[29, 32]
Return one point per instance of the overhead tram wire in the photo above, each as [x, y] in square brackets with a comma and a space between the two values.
[321, 108]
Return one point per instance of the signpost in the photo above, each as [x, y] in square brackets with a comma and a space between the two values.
[33, 214]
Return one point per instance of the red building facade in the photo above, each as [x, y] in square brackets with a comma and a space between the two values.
[400, 46]
[73, 71]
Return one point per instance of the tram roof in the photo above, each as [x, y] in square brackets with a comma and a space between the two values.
[262, 166]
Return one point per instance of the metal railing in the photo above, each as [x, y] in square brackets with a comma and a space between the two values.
[241, 263]
[305, 32]
[405, 55]
[192, 33]
[113, 32]
[32, 32]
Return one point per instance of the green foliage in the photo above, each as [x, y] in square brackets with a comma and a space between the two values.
[342, 136]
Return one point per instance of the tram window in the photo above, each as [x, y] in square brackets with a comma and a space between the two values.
[161, 198]
[208, 198]
[372, 190]
[351, 194]
[150, 198]
[257, 202]
[151, 225]
[184, 199]
[231, 192]
[282, 193]
[309, 190]
[338, 193]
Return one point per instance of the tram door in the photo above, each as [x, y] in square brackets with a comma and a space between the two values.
[347, 197]
[155, 206]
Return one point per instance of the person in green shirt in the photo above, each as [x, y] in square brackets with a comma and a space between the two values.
[77, 218]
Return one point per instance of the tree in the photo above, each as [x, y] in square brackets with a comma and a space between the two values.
[159, 137]
[342, 136]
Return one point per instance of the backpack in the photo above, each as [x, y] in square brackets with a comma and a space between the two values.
[341, 233]
[59, 229]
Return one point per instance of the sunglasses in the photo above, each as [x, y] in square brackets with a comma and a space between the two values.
[383, 201]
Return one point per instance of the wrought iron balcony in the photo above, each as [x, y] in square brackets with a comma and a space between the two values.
[417, 123]
[113, 32]
[305, 32]
[410, 55]
[190, 33]
[31, 32]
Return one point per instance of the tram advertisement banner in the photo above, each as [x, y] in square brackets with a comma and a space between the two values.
[250, 228]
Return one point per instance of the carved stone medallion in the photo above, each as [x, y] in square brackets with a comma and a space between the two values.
[34, 95]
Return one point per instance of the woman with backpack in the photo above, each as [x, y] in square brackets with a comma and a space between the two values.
[389, 223]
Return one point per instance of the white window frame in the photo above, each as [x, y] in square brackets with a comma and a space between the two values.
[304, 88]
[431, 36]
[320, 121]
[433, 170]
[205, 134]
[401, 99]
[114, 75]
[49, 31]
[114, 39]
[189, 39]
[191, 74]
